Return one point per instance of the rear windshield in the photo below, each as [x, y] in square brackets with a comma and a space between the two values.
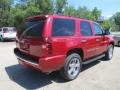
[9, 29]
[5, 29]
[33, 28]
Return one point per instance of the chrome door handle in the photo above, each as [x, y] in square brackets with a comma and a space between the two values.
[97, 40]
[83, 41]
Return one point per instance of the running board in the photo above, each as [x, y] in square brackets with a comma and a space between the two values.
[93, 59]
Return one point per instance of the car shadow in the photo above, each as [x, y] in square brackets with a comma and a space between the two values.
[31, 80]
[117, 46]
[92, 64]
[5, 41]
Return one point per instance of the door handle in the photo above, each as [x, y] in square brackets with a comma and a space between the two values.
[84, 40]
[97, 40]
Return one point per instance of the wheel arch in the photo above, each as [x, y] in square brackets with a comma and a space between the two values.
[76, 50]
[112, 43]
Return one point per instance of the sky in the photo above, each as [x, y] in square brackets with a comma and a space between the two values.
[108, 7]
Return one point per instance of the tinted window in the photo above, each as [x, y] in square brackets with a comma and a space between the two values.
[63, 27]
[32, 28]
[12, 29]
[5, 30]
[97, 29]
[9, 29]
[85, 28]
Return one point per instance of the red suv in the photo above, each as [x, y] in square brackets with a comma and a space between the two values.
[50, 43]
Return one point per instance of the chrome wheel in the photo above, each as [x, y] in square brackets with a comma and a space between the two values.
[73, 67]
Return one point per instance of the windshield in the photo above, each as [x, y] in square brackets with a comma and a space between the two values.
[32, 28]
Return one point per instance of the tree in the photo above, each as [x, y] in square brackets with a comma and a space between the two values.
[106, 24]
[5, 6]
[95, 14]
[12, 14]
[45, 6]
[117, 19]
[27, 8]
[70, 11]
[83, 12]
[60, 6]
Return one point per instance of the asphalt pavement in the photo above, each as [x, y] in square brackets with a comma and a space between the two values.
[99, 75]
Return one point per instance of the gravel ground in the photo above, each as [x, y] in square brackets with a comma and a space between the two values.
[99, 75]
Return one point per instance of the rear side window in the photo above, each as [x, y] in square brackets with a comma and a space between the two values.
[32, 28]
[63, 27]
[85, 28]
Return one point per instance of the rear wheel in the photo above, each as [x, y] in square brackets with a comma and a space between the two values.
[109, 53]
[72, 67]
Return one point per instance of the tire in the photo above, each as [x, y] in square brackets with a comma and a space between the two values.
[109, 53]
[72, 67]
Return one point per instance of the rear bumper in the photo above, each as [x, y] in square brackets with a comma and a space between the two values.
[47, 65]
[26, 61]
[8, 38]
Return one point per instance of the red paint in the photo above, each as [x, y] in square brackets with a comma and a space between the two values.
[51, 51]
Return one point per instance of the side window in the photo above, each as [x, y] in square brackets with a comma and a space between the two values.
[97, 29]
[85, 28]
[63, 27]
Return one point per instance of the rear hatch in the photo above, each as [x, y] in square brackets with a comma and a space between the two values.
[9, 32]
[30, 37]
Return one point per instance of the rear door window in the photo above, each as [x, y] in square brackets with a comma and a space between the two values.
[85, 28]
[32, 28]
[63, 27]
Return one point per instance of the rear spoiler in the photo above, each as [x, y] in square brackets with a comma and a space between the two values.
[37, 17]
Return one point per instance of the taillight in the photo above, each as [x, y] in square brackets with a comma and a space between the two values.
[47, 45]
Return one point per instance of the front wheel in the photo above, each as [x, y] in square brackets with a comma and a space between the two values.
[72, 67]
[109, 53]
